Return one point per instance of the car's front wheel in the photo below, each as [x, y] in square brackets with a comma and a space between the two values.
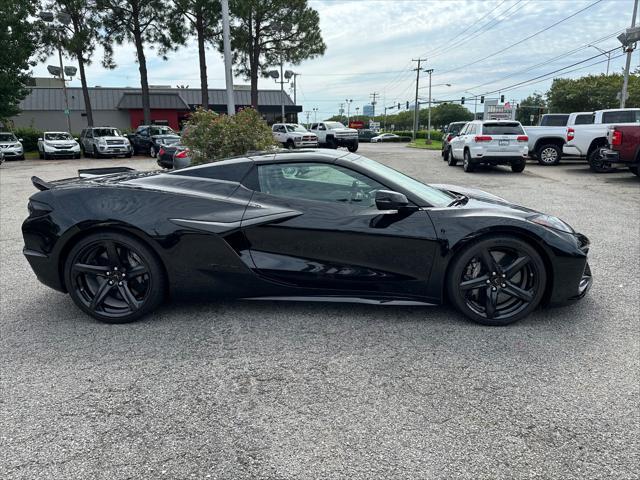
[114, 278]
[353, 147]
[497, 280]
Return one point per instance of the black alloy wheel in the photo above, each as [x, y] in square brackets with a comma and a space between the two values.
[466, 163]
[114, 277]
[152, 151]
[497, 281]
[549, 154]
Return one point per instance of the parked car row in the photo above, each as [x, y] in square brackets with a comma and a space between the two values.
[11, 146]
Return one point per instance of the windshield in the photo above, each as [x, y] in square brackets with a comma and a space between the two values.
[431, 195]
[502, 129]
[334, 125]
[554, 120]
[455, 128]
[296, 128]
[57, 136]
[8, 137]
[106, 132]
[162, 131]
[621, 116]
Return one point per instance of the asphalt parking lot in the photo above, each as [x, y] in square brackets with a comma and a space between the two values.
[291, 390]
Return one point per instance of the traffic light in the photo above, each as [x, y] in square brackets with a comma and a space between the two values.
[462, 101]
[482, 99]
[398, 105]
[501, 98]
[407, 104]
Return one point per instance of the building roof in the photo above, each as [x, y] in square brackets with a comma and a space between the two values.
[111, 98]
[173, 101]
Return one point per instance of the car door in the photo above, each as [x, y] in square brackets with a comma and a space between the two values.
[326, 233]
[87, 141]
[458, 142]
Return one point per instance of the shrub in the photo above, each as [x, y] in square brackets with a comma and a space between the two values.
[213, 137]
[435, 134]
[29, 137]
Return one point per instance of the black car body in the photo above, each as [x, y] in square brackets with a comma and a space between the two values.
[449, 132]
[311, 225]
[166, 153]
[148, 139]
[365, 135]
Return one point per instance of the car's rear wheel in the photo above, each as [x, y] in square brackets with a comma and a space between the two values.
[497, 280]
[452, 162]
[634, 170]
[518, 167]
[114, 277]
[152, 151]
[466, 163]
[549, 154]
[597, 163]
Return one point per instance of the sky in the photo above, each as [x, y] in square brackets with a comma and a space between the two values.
[469, 44]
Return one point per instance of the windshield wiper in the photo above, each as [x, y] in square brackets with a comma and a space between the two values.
[460, 200]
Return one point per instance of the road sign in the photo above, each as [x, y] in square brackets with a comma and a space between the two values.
[373, 125]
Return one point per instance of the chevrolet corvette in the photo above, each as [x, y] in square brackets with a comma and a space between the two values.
[315, 225]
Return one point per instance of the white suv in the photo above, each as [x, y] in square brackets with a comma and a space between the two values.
[292, 135]
[491, 142]
[58, 144]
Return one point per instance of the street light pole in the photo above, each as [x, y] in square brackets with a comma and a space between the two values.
[625, 82]
[315, 114]
[430, 71]
[604, 52]
[67, 112]
[416, 105]
[231, 104]
[348, 110]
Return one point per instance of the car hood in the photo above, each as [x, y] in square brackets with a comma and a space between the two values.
[9, 144]
[344, 130]
[61, 142]
[122, 139]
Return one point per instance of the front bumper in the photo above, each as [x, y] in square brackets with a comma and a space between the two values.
[346, 141]
[15, 152]
[572, 276]
[114, 149]
[306, 144]
[62, 152]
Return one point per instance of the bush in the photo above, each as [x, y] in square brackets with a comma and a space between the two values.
[213, 137]
[29, 137]
[435, 134]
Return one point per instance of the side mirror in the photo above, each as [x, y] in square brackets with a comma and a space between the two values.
[40, 139]
[20, 140]
[389, 200]
[76, 139]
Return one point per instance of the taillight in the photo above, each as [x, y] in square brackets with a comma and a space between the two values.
[571, 133]
[161, 151]
[616, 138]
[182, 153]
[449, 137]
[523, 138]
[483, 138]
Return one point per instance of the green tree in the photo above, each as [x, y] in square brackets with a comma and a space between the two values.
[142, 22]
[592, 92]
[78, 38]
[532, 105]
[445, 113]
[19, 40]
[202, 18]
[267, 32]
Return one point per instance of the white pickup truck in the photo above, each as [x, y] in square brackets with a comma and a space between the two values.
[335, 134]
[586, 140]
[547, 139]
[292, 135]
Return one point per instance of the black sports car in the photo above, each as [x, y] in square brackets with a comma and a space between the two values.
[300, 225]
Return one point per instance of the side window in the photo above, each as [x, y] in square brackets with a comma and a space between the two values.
[143, 131]
[318, 182]
[314, 126]
[584, 119]
[471, 130]
[621, 116]
[321, 126]
[83, 132]
[89, 133]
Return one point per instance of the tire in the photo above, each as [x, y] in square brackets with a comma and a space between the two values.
[21, 157]
[595, 162]
[466, 163]
[445, 155]
[40, 155]
[549, 154]
[152, 151]
[634, 170]
[129, 155]
[353, 147]
[137, 285]
[452, 162]
[516, 274]
[331, 143]
[289, 145]
[518, 167]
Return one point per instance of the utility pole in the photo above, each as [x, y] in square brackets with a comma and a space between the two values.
[430, 71]
[604, 52]
[348, 109]
[231, 104]
[295, 84]
[416, 105]
[625, 83]
[307, 113]
[373, 103]
[384, 126]
[315, 114]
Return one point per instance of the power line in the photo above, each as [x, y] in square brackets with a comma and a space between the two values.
[523, 40]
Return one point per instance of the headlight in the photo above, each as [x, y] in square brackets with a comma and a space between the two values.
[551, 222]
[102, 141]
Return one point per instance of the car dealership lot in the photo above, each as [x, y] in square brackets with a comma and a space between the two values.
[283, 390]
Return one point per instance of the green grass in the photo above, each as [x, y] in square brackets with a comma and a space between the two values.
[31, 155]
[421, 143]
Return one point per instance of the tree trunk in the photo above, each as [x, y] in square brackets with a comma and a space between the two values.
[204, 86]
[85, 90]
[142, 66]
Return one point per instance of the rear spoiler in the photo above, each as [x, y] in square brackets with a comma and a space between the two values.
[41, 184]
